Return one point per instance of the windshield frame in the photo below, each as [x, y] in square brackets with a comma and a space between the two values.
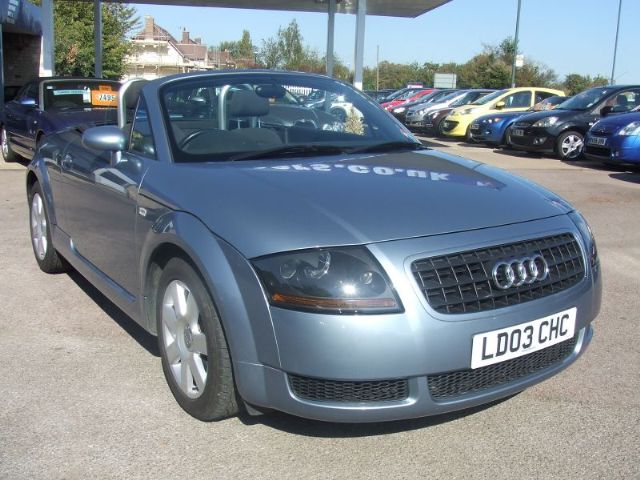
[489, 97]
[379, 126]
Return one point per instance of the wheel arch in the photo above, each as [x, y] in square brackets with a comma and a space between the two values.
[228, 276]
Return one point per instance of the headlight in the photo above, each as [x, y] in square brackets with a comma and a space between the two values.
[467, 111]
[332, 280]
[546, 122]
[587, 237]
[399, 110]
[632, 129]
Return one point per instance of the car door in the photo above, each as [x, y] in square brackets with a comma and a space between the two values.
[100, 203]
[518, 101]
[18, 114]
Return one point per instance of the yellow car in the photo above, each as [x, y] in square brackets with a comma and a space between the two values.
[458, 122]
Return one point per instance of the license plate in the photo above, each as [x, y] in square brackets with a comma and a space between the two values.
[518, 132]
[428, 125]
[597, 141]
[475, 126]
[513, 342]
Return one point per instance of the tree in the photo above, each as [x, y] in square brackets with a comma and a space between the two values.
[575, 83]
[242, 50]
[74, 38]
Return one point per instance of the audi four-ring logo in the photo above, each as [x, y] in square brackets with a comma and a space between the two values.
[521, 271]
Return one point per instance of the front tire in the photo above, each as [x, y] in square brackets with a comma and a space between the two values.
[7, 153]
[195, 356]
[569, 145]
[47, 257]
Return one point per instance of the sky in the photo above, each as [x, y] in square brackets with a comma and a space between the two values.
[569, 36]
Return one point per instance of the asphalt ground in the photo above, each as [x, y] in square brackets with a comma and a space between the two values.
[82, 393]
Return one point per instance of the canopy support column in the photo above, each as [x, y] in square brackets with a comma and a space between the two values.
[97, 29]
[47, 52]
[361, 15]
[331, 36]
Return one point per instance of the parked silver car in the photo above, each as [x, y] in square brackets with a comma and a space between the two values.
[289, 260]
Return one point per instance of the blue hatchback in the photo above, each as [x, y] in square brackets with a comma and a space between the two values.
[615, 139]
[492, 129]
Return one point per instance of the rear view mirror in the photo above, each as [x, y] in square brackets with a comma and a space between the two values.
[499, 106]
[107, 138]
[604, 111]
[27, 102]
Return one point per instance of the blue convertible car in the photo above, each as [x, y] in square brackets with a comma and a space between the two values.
[288, 260]
[47, 105]
[615, 140]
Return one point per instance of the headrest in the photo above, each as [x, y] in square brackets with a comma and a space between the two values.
[132, 94]
[247, 104]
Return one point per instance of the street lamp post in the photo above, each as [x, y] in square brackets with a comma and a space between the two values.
[615, 47]
[515, 53]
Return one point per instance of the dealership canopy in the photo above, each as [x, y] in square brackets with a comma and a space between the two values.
[361, 8]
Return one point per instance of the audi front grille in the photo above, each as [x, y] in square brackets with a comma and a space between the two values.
[464, 282]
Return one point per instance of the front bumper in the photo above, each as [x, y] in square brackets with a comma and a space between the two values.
[485, 133]
[457, 126]
[411, 346]
[617, 149]
[533, 139]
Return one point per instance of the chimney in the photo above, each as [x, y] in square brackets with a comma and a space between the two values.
[148, 26]
[185, 36]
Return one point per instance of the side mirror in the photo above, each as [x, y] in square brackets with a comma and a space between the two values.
[27, 102]
[604, 111]
[499, 106]
[108, 138]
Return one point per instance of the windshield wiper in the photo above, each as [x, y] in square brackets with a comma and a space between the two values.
[288, 151]
[386, 146]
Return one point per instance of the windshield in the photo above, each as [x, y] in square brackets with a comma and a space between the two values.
[228, 117]
[488, 98]
[585, 100]
[62, 94]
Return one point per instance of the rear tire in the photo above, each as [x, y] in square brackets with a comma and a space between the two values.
[439, 128]
[47, 257]
[7, 153]
[195, 356]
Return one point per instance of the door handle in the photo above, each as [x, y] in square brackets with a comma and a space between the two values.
[67, 162]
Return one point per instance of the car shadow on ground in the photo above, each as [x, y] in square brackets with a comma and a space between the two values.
[139, 334]
[518, 153]
[315, 428]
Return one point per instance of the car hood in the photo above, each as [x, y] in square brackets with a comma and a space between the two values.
[263, 207]
[615, 122]
[81, 116]
[505, 115]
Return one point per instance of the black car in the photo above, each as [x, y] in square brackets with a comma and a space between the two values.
[561, 131]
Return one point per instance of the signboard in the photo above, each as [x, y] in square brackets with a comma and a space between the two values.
[445, 80]
[519, 61]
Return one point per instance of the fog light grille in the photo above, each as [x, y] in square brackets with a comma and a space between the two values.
[449, 385]
[321, 390]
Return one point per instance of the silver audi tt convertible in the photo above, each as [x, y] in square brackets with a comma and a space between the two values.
[328, 266]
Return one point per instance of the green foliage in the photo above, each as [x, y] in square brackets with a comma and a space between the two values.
[287, 51]
[353, 124]
[575, 83]
[74, 38]
[240, 50]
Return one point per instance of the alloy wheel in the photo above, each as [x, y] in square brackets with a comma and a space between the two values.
[5, 145]
[571, 146]
[38, 226]
[185, 342]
